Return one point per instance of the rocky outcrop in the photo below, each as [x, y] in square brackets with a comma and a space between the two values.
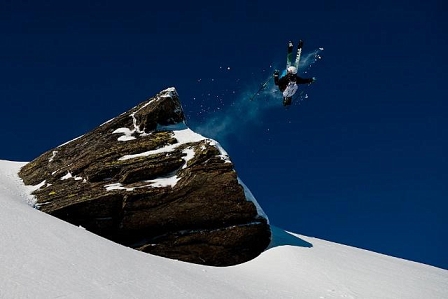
[145, 180]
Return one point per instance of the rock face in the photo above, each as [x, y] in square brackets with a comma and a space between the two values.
[144, 180]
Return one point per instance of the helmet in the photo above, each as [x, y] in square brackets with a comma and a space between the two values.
[292, 70]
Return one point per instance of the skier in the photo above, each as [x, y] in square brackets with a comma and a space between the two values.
[287, 83]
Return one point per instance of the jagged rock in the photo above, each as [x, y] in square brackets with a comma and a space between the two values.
[143, 179]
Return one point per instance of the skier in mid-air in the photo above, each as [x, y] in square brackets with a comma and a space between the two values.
[287, 82]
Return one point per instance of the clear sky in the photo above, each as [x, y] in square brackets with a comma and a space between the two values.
[361, 161]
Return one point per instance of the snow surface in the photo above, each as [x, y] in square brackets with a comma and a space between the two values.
[44, 257]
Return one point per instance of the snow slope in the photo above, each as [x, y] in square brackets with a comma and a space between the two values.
[44, 257]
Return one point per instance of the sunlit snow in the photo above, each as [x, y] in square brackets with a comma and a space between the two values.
[127, 134]
[44, 257]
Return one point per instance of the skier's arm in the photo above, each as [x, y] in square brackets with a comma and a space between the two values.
[282, 83]
[301, 80]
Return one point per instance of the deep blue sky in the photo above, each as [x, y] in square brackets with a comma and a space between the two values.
[362, 161]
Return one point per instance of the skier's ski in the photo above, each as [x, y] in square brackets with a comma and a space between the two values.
[292, 87]
[289, 54]
[299, 53]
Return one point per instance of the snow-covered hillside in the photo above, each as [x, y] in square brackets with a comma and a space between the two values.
[44, 257]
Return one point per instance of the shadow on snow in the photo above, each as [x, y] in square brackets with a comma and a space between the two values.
[281, 237]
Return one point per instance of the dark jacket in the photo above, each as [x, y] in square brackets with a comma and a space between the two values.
[283, 81]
